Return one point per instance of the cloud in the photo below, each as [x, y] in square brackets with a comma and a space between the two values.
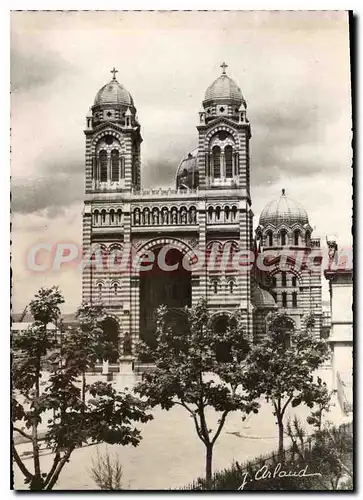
[49, 193]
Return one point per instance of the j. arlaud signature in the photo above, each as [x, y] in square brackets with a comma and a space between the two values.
[265, 472]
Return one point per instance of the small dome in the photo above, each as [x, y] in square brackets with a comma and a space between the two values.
[262, 298]
[113, 93]
[283, 211]
[187, 173]
[224, 88]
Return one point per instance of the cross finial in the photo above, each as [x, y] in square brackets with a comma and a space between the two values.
[114, 71]
[224, 66]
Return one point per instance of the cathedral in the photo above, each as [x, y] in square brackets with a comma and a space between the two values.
[196, 239]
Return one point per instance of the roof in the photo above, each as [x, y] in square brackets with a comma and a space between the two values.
[262, 298]
[113, 93]
[284, 210]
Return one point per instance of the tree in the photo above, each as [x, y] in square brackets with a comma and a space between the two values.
[108, 416]
[283, 373]
[107, 473]
[196, 369]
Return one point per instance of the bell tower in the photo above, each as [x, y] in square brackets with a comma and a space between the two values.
[113, 141]
[224, 135]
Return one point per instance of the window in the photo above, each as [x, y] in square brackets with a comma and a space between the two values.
[95, 217]
[294, 281]
[115, 289]
[115, 169]
[103, 214]
[283, 238]
[269, 239]
[216, 153]
[284, 299]
[296, 238]
[112, 216]
[274, 282]
[227, 212]
[307, 237]
[231, 286]
[100, 291]
[294, 299]
[283, 278]
[215, 286]
[103, 166]
[122, 176]
[119, 216]
[218, 213]
[210, 213]
[228, 157]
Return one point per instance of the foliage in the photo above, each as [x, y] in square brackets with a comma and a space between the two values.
[107, 473]
[108, 416]
[283, 374]
[196, 369]
[314, 452]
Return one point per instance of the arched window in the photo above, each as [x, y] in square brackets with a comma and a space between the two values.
[218, 213]
[294, 299]
[283, 237]
[146, 216]
[103, 216]
[119, 216]
[103, 166]
[112, 216]
[284, 299]
[216, 153]
[95, 217]
[228, 158]
[231, 286]
[99, 291]
[294, 281]
[210, 214]
[215, 286]
[296, 237]
[283, 278]
[227, 211]
[115, 289]
[308, 238]
[115, 166]
[269, 239]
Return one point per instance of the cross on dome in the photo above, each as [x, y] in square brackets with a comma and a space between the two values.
[224, 66]
[114, 71]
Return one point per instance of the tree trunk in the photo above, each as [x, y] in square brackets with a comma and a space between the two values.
[281, 439]
[83, 389]
[208, 465]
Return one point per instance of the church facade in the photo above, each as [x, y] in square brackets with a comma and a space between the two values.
[175, 246]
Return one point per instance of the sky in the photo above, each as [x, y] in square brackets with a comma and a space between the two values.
[292, 68]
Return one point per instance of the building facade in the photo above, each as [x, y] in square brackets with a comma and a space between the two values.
[201, 230]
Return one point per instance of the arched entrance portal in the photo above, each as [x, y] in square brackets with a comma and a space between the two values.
[162, 286]
[283, 327]
[110, 339]
[223, 349]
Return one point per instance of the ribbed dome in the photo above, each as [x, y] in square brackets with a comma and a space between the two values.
[262, 299]
[113, 93]
[187, 173]
[224, 88]
[283, 211]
